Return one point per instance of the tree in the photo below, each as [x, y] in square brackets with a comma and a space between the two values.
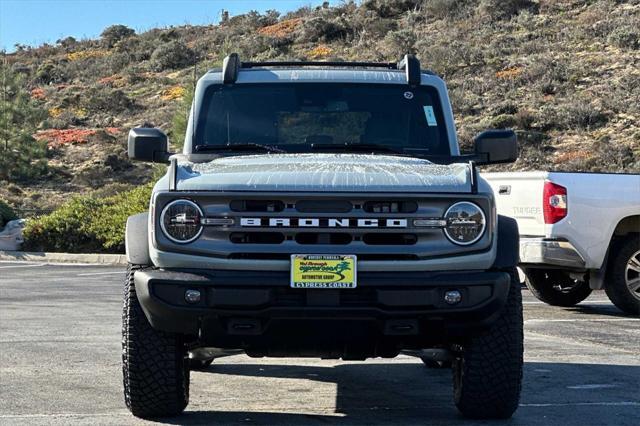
[22, 157]
[113, 34]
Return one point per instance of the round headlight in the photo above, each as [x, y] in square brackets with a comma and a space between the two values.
[465, 223]
[181, 221]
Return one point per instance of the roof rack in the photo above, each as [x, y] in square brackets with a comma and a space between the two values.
[388, 65]
[231, 66]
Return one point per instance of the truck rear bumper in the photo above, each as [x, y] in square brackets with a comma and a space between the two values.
[542, 251]
[256, 310]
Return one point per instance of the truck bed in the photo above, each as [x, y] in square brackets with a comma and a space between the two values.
[596, 203]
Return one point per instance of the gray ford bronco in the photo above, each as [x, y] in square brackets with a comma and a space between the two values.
[322, 209]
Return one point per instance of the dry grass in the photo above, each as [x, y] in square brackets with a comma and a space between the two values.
[172, 93]
[281, 29]
[320, 52]
[87, 54]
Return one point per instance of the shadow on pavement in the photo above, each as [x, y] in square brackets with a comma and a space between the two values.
[607, 310]
[409, 393]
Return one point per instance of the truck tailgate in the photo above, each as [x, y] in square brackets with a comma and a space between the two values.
[519, 195]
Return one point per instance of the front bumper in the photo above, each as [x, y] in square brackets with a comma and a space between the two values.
[248, 309]
[535, 251]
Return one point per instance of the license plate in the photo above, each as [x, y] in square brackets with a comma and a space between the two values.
[323, 271]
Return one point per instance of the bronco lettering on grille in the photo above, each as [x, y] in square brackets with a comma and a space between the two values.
[325, 222]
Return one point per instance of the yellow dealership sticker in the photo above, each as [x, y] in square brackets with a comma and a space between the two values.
[323, 271]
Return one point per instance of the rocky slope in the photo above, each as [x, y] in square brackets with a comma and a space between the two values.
[565, 74]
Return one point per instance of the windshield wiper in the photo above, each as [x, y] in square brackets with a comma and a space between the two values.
[354, 146]
[238, 147]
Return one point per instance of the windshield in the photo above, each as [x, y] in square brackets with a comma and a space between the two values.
[304, 117]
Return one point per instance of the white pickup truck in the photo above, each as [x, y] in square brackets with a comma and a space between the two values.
[578, 232]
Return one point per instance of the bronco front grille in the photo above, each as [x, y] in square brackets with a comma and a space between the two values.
[273, 227]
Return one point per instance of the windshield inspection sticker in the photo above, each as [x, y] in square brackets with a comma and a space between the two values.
[431, 116]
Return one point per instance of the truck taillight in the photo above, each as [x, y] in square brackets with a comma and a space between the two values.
[554, 202]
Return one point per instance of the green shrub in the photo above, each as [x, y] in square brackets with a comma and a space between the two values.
[625, 37]
[137, 48]
[118, 61]
[580, 114]
[444, 8]
[181, 119]
[6, 213]
[401, 41]
[503, 121]
[113, 34]
[106, 99]
[67, 43]
[391, 8]
[113, 214]
[172, 55]
[323, 29]
[606, 155]
[87, 223]
[501, 9]
[67, 229]
[49, 72]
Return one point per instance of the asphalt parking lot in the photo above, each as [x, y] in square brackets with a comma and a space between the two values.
[60, 364]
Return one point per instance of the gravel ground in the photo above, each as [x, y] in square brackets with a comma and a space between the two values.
[60, 364]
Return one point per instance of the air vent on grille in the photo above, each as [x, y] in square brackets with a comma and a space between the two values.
[323, 238]
[256, 237]
[256, 206]
[260, 256]
[390, 239]
[382, 256]
[323, 206]
[283, 296]
[390, 207]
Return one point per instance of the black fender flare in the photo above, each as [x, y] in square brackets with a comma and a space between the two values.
[136, 239]
[508, 250]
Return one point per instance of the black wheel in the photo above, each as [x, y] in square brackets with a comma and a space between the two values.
[154, 365]
[487, 373]
[556, 287]
[200, 364]
[623, 276]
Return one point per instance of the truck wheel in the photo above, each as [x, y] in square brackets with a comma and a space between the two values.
[623, 276]
[556, 287]
[487, 374]
[154, 365]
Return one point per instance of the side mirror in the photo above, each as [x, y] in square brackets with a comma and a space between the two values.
[496, 147]
[148, 144]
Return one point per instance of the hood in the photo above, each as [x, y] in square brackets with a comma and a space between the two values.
[322, 172]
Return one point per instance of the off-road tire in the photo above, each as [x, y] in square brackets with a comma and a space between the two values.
[543, 282]
[154, 365]
[616, 285]
[487, 373]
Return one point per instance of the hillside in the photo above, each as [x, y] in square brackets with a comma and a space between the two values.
[564, 74]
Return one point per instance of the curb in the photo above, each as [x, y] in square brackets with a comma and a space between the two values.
[93, 258]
